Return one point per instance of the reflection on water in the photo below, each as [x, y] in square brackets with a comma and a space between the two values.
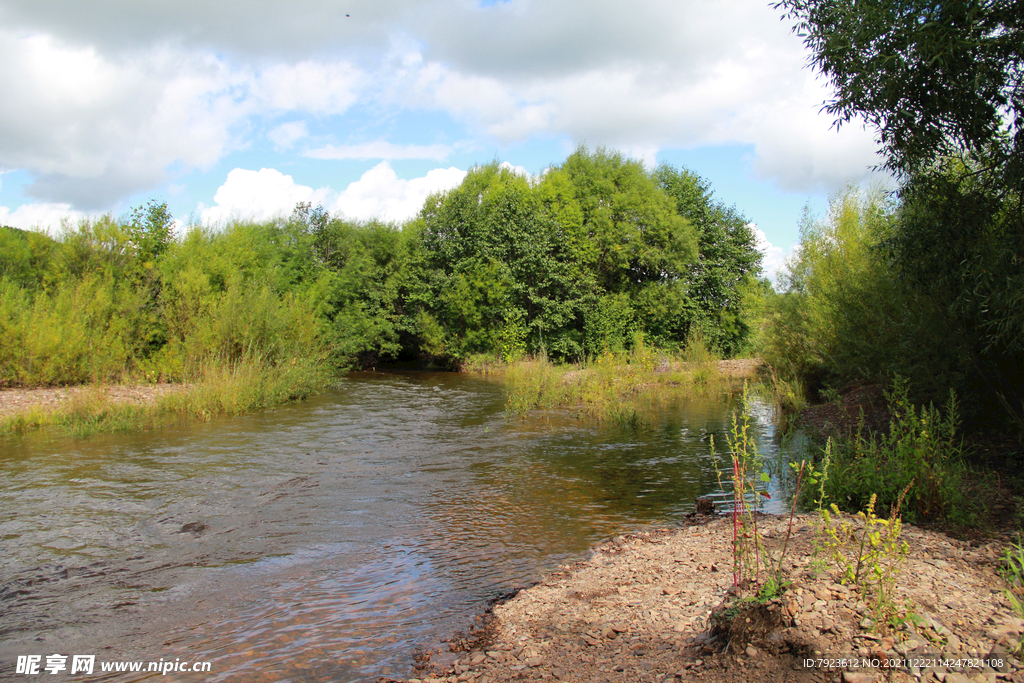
[326, 540]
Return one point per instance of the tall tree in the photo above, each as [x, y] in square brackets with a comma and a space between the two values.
[728, 253]
[943, 84]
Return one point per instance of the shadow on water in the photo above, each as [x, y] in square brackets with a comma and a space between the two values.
[325, 540]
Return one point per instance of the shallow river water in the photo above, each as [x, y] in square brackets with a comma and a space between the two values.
[325, 540]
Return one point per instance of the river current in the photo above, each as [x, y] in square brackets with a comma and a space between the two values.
[327, 540]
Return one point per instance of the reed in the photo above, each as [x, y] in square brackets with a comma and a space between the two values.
[625, 387]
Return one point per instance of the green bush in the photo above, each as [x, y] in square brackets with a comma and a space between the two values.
[922, 454]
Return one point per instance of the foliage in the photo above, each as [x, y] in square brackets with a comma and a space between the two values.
[590, 261]
[935, 79]
[582, 259]
[878, 555]
[847, 314]
[922, 446]
[958, 247]
[943, 84]
[727, 263]
[1013, 572]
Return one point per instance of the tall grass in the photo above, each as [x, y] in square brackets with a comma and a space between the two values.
[623, 387]
[218, 389]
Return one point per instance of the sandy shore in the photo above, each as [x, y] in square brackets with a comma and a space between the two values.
[640, 608]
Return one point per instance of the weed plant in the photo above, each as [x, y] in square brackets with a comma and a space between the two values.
[1013, 572]
[869, 557]
[746, 478]
[922, 446]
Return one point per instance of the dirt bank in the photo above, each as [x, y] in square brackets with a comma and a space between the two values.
[640, 610]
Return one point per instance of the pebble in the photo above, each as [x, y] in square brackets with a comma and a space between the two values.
[640, 612]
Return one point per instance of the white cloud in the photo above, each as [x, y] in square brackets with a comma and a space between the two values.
[309, 86]
[775, 258]
[92, 129]
[102, 99]
[518, 170]
[380, 149]
[287, 134]
[380, 193]
[44, 217]
[258, 195]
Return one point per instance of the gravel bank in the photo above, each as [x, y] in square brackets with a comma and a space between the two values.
[639, 609]
[15, 401]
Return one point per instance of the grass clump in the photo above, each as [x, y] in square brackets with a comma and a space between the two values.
[1013, 572]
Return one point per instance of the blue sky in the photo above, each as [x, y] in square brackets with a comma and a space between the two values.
[228, 109]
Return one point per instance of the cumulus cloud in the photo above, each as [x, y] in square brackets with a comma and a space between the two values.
[102, 99]
[775, 257]
[379, 193]
[44, 217]
[665, 75]
[258, 195]
[94, 129]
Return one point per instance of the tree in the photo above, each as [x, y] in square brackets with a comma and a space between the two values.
[943, 84]
[936, 79]
[150, 228]
[727, 254]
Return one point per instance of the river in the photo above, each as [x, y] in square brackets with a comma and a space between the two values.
[327, 540]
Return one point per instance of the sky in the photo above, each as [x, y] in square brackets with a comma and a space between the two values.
[235, 110]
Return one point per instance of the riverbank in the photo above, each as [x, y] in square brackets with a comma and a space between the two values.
[220, 390]
[639, 609]
[626, 388]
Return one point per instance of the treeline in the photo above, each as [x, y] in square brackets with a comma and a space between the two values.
[598, 254]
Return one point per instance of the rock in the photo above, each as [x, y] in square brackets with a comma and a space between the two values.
[534, 661]
[751, 651]
[999, 658]
[954, 677]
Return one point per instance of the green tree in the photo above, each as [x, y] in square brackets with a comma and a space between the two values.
[635, 246]
[728, 255]
[491, 257]
[943, 84]
[150, 228]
